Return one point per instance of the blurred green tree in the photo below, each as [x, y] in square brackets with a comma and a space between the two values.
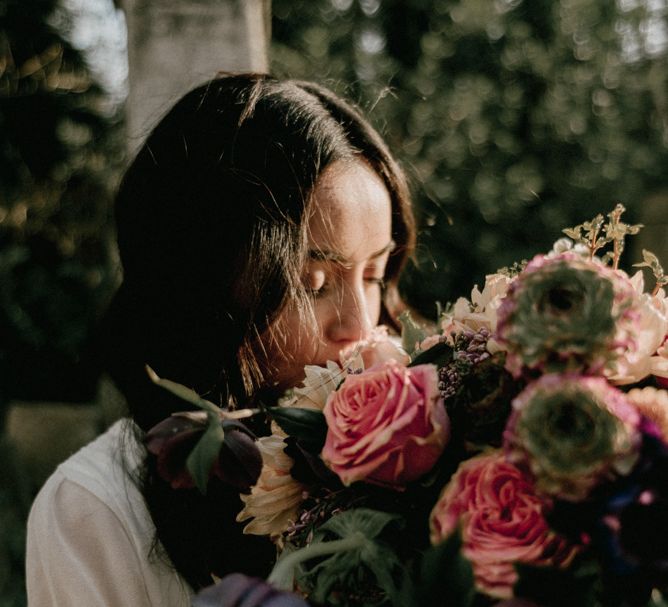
[59, 148]
[59, 145]
[514, 118]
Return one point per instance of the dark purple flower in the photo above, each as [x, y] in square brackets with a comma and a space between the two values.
[238, 590]
[172, 440]
[240, 461]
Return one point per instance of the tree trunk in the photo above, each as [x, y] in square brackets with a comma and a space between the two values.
[174, 45]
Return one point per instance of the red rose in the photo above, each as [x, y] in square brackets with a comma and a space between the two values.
[387, 425]
[501, 521]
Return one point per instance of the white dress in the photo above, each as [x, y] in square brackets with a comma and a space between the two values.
[90, 536]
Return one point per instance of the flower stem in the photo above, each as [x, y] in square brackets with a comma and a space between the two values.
[290, 561]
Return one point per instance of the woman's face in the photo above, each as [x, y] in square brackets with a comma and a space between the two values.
[350, 240]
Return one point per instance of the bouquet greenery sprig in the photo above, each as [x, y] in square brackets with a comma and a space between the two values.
[517, 453]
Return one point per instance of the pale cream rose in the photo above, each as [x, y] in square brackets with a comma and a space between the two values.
[495, 289]
[481, 311]
[659, 363]
[274, 500]
[379, 347]
[653, 404]
[566, 244]
[318, 384]
[429, 342]
[651, 333]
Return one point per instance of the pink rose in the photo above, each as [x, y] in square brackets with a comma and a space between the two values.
[387, 425]
[501, 521]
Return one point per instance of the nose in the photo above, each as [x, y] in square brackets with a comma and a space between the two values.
[352, 320]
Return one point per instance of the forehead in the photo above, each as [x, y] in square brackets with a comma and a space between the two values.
[351, 212]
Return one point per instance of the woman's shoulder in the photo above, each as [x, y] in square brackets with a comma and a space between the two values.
[91, 506]
[110, 461]
[106, 470]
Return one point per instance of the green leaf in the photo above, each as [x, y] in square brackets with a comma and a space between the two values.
[283, 577]
[552, 587]
[573, 233]
[445, 573]
[364, 520]
[308, 426]
[354, 560]
[204, 454]
[411, 333]
[376, 558]
[439, 355]
[651, 260]
[186, 394]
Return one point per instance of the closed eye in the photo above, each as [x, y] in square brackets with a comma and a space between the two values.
[376, 281]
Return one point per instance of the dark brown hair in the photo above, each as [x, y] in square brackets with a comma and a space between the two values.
[211, 233]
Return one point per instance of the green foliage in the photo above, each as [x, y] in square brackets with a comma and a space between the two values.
[439, 355]
[615, 232]
[58, 153]
[346, 552]
[307, 426]
[513, 118]
[15, 500]
[552, 587]
[411, 333]
[652, 262]
[186, 394]
[202, 457]
[446, 577]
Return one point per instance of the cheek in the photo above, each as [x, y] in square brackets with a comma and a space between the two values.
[374, 301]
[289, 345]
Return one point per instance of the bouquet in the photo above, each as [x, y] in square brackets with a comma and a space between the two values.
[515, 454]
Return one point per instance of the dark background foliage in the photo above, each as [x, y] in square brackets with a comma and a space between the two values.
[513, 118]
[58, 149]
[59, 152]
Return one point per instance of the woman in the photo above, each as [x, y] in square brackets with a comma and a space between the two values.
[261, 227]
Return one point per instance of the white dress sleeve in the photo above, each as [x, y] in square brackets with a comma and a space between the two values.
[78, 552]
[91, 539]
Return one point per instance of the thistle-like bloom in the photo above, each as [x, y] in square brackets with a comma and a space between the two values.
[566, 313]
[572, 432]
[275, 498]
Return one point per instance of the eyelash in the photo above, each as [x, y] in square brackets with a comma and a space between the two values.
[320, 291]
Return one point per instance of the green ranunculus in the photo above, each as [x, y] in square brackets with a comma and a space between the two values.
[566, 314]
[572, 432]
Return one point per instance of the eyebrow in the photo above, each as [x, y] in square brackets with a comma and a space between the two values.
[325, 255]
